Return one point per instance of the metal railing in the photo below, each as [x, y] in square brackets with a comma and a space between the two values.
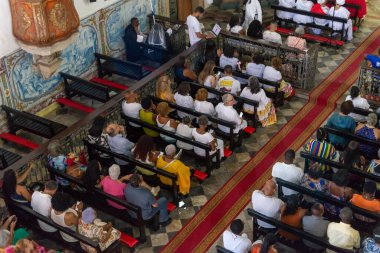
[369, 82]
[298, 66]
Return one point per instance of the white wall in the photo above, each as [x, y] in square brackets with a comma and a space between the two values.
[7, 41]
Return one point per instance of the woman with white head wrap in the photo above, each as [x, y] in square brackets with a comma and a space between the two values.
[96, 230]
[303, 5]
[341, 12]
[320, 8]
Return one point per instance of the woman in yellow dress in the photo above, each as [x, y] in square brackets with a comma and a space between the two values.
[169, 163]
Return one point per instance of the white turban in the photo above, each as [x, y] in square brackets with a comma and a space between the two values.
[321, 1]
[340, 2]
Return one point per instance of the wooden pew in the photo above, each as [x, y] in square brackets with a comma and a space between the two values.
[352, 137]
[304, 235]
[92, 148]
[324, 198]
[230, 125]
[94, 196]
[108, 65]
[7, 158]
[28, 218]
[338, 165]
[277, 96]
[31, 123]
[312, 37]
[206, 147]
[152, 56]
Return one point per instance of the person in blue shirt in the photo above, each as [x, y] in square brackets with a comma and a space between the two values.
[373, 61]
[130, 39]
[372, 244]
[341, 121]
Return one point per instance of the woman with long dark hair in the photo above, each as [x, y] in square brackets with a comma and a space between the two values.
[93, 173]
[96, 135]
[12, 188]
[234, 26]
[255, 30]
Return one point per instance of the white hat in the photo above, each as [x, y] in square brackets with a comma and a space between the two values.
[321, 1]
[114, 171]
[340, 2]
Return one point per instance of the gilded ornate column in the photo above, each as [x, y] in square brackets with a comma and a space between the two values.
[43, 28]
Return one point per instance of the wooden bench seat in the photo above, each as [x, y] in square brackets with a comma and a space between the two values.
[31, 123]
[75, 105]
[108, 65]
[28, 217]
[109, 83]
[7, 158]
[311, 37]
[97, 198]
[19, 140]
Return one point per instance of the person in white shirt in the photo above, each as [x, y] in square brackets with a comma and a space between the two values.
[229, 57]
[266, 111]
[235, 240]
[341, 234]
[287, 4]
[208, 78]
[194, 27]
[303, 5]
[41, 203]
[131, 107]
[288, 171]
[265, 202]
[359, 102]
[227, 112]
[201, 135]
[183, 98]
[341, 12]
[271, 35]
[234, 25]
[228, 83]
[202, 105]
[252, 12]
[185, 129]
[273, 73]
[256, 67]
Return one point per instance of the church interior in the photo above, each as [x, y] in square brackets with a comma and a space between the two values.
[190, 126]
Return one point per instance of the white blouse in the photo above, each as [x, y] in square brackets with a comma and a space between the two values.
[184, 101]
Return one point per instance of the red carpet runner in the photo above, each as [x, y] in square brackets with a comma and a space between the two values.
[207, 225]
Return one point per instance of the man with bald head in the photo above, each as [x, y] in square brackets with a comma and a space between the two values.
[265, 202]
[131, 108]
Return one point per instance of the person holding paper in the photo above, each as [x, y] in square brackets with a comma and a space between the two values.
[130, 39]
[192, 22]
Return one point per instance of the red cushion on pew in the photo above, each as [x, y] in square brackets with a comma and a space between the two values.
[75, 105]
[200, 175]
[128, 240]
[109, 83]
[249, 130]
[227, 152]
[19, 140]
[148, 68]
[322, 39]
[171, 207]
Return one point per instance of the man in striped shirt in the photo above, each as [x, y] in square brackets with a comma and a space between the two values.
[321, 148]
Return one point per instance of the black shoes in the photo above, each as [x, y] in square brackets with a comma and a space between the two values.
[165, 223]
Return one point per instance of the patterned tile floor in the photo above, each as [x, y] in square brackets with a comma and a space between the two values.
[328, 59]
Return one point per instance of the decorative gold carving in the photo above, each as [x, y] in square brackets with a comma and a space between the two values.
[58, 16]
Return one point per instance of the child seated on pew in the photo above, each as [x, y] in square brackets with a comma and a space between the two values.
[273, 73]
